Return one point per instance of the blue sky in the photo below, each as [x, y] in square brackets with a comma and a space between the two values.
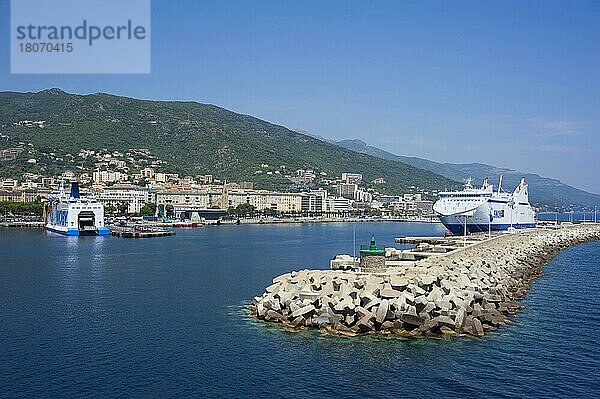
[513, 84]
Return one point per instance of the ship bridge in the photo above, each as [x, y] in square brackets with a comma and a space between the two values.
[463, 203]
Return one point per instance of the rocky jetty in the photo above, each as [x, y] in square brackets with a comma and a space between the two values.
[468, 291]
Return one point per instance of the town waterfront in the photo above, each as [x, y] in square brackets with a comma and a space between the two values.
[166, 317]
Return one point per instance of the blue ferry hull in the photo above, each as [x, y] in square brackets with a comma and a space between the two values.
[459, 229]
[102, 231]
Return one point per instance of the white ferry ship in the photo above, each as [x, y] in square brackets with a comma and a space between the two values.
[74, 215]
[473, 210]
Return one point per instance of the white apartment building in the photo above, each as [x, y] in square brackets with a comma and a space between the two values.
[135, 197]
[105, 176]
[193, 198]
[29, 184]
[160, 177]
[363, 196]
[413, 207]
[412, 197]
[352, 178]
[304, 176]
[9, 184]
[347, 189]
[282, 202]
[314, 201]
[338, 205]
[68, 175]
[147, 172]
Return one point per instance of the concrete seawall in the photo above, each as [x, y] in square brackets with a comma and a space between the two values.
[469, 291]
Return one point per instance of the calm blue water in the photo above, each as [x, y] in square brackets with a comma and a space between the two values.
[163, 317]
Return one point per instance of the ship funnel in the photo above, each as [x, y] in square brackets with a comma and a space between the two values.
[75, 190]
[485, 184]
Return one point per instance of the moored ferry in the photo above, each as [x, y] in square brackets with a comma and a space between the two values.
[73, 215]
[482, 209]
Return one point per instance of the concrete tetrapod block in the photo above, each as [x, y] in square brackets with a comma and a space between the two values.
[321, 320]
[460, 318]
[435, 294]
[275, 316]
[443, 304]
[389, 293]
[368, 301]
[421, 300]
[303, 311]
[410, 316]
[445, 320]
[273, 287]
[416, 290]
[365, 324]
[399, 282]
[407, 298]
[344, 305]
[429, 306]
[362, 312]
[275, 305]
[477, 327]
[282, 278]
[427, 279]
[411, 319]
[382, 311]
[261, 310]
[298, 321]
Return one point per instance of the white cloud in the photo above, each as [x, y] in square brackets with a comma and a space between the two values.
[553, 128]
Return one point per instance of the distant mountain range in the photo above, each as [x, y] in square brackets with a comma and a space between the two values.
[191, 138]
[545, 193]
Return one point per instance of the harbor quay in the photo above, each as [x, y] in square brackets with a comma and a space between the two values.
[468, 287]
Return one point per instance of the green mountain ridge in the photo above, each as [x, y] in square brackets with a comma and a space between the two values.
[544, 193]
[193, 139]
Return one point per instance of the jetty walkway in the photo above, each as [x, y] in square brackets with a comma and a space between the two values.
[140, 233]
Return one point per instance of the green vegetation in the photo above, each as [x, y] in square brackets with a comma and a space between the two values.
[122, 208]
[21, 208]
[169, 211]
[246, 210]
[148, 209]
[194, 139]
[110, 209]
[269, 212]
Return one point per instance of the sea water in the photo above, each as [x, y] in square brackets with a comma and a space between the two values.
[166, 317]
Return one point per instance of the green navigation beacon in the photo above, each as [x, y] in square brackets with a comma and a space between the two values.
[372, 249]
[372, 257]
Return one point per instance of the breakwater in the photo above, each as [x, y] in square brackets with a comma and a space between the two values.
[471, 290]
